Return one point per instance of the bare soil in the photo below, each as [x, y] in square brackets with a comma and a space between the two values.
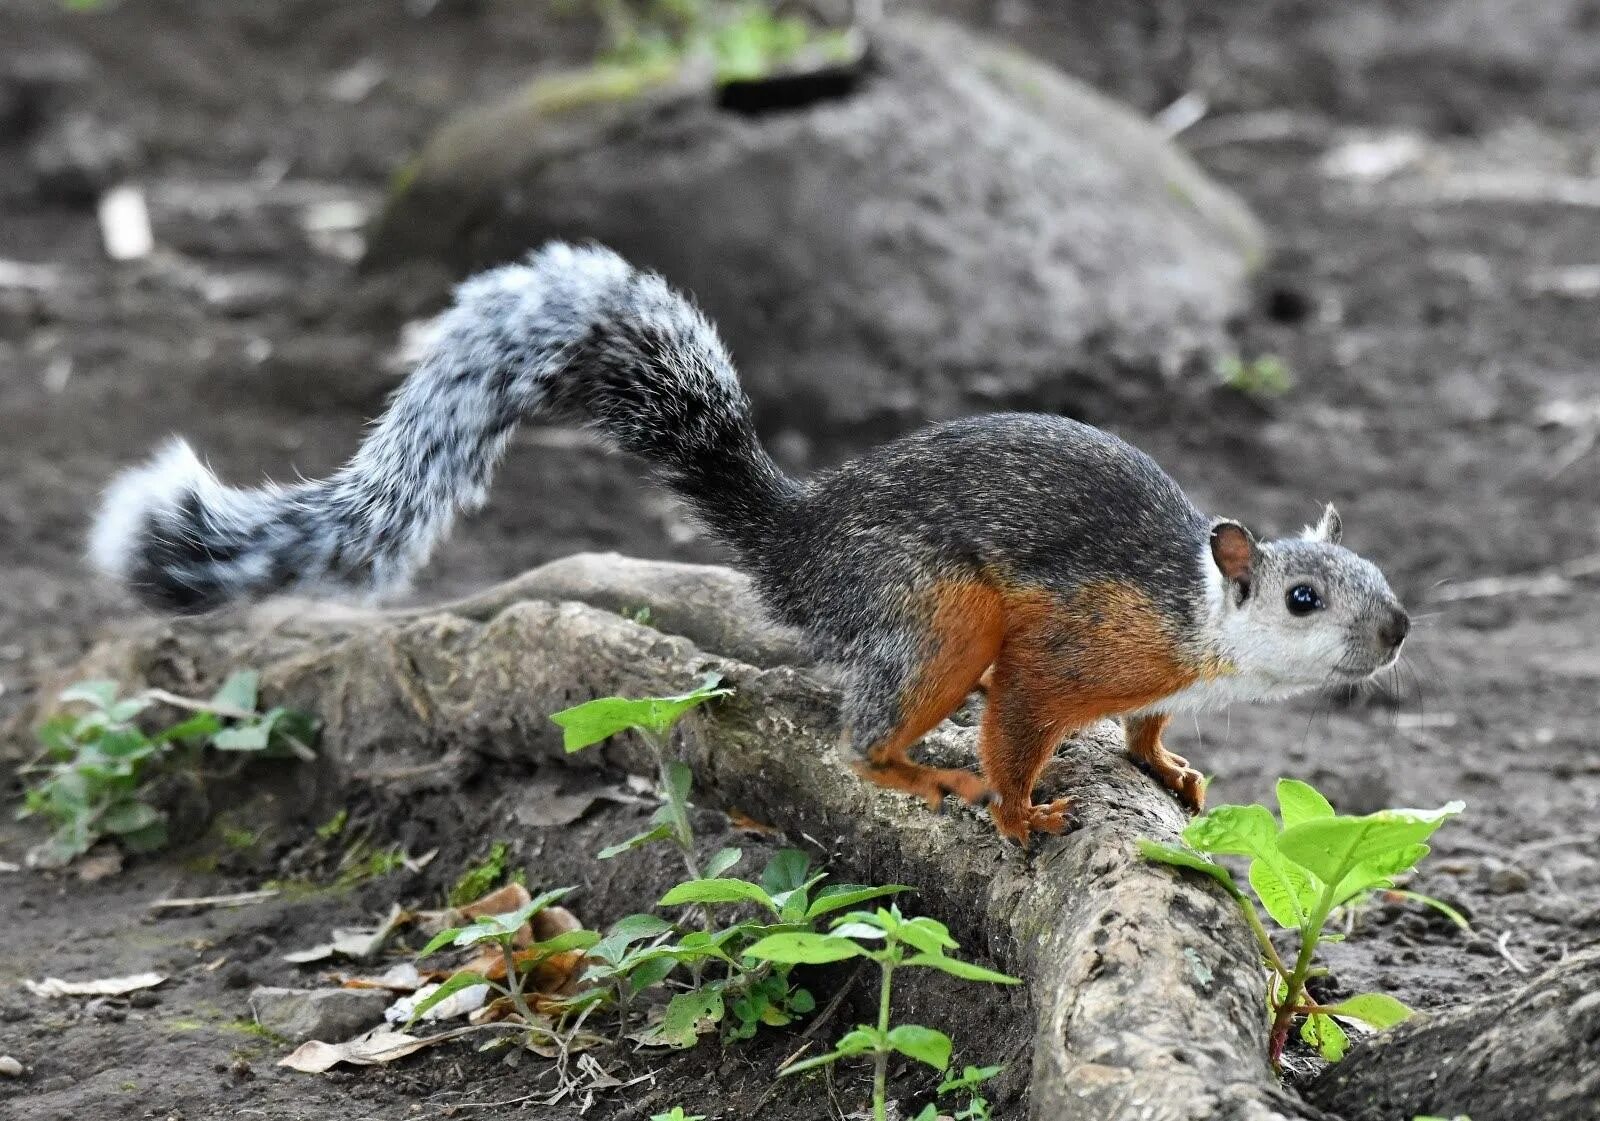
[1437, 321]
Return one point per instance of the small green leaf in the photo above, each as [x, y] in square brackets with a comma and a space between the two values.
[639, 840]
[721, 861]
[452, 985]
[923, 1044]
[803, 948]
[836, 897]
[129, 817]
[440, 941]
[688, 1016]
[963, 969]
[1299, 802]
[785, 871]
[588, 724]
[1325, 1034]
[1185, 858]
[239, 691]
[1378, 1009]
[100, 694]
[717, 891]
[925, 934]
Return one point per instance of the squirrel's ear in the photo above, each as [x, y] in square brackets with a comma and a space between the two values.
[1329, 528]
[1234, 550]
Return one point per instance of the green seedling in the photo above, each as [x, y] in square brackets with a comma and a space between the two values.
[893, 941]
[1264, 376]
[502, 931]
[482, 878]
[743, 40]
[1302, 868]
[967, 1083]
[653, 718]
[97, 761]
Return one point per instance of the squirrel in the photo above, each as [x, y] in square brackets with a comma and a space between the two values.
[1046, 558]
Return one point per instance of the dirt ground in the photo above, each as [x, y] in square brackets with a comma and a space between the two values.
[1428, 171]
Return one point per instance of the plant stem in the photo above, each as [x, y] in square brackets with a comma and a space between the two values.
[514, 984]
[880, 1066]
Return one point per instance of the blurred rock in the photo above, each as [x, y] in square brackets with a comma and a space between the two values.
[78, 157]
[330, 1015]
[958, 226]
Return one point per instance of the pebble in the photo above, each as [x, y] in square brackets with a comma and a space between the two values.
[1509, 881]
[10, 1067]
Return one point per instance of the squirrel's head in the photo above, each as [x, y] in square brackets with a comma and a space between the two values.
[1302, 612]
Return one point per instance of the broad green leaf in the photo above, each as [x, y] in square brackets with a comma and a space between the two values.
[1378, 1009]
[639, 840]
[836, 897]
[803, 948]
[100, 694]
[923, 1044]
[1325, 1034]
[239, 691]
[785, 871]
[688, 1016]
[128, 817]
[1186, 858]
[587, 724]
[1287, 891]
[1332, 847]
[723, 860]
[963, 969]
[1299, 802]
[1379, 872]
[1233, 830]
[717, 891]
[452, 985]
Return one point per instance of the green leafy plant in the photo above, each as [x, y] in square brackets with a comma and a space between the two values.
[1264, 376]
[97, 762]
[744, 40]
[653, 718]
[1304, 864]
[642, 951]
[893, 941]
[502, 931]
[967, 1083]
[483, 877]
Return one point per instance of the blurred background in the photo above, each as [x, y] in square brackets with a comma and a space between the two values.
[1300, 251]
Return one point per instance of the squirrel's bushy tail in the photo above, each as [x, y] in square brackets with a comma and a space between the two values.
[573, 333]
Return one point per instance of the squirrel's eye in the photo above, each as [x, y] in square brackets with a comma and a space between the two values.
[1302, 600]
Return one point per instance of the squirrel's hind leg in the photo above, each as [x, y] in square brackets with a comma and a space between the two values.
[906, 682]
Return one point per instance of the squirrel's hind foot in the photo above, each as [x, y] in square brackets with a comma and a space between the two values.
[931, 784]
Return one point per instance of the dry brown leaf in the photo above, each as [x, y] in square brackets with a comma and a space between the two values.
[380, 1045]
[107, 986]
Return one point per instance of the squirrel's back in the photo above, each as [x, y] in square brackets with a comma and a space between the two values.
[1016, 498]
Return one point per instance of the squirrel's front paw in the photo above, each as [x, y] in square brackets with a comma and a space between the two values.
[1180, 778]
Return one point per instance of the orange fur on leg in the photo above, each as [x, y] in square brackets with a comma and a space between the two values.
[1144, 744]
[964, 636]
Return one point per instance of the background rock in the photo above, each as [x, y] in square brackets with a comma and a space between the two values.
[966, 228]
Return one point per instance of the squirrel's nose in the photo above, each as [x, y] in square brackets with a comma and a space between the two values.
[1395, 628]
